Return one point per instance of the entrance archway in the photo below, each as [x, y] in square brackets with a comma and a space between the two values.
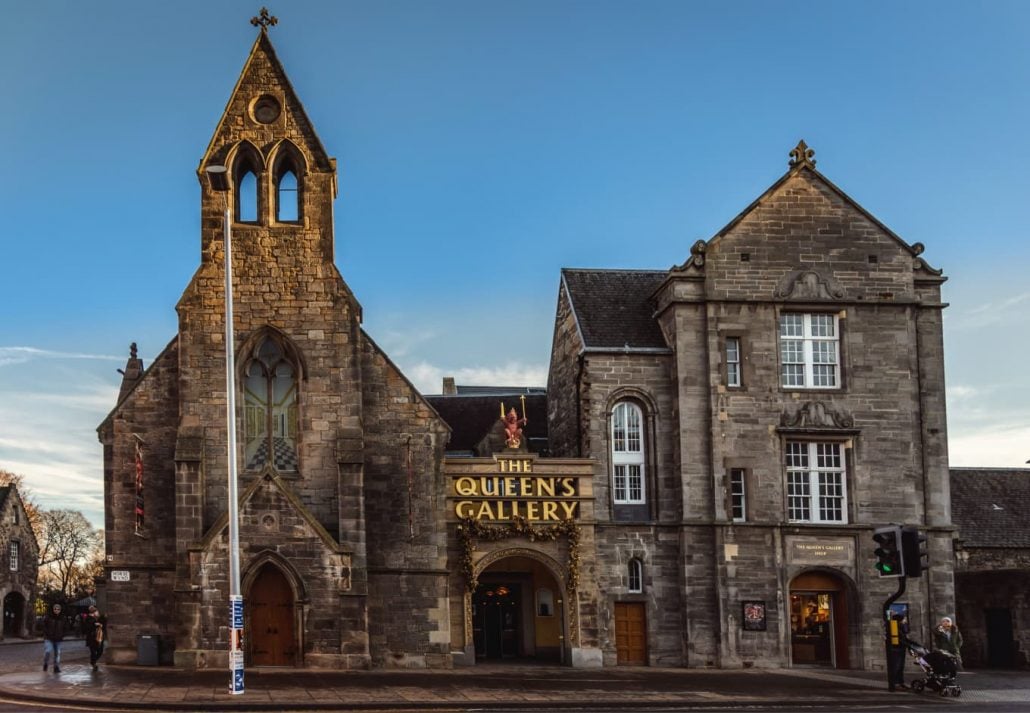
[518, 612]
[819, 620]
[14, 614]
[271, 607]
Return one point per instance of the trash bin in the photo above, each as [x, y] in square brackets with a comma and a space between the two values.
[148, 650]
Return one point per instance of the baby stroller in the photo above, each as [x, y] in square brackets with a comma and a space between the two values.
[939, 668]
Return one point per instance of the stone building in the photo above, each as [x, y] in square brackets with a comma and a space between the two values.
[19, 559]
[991, 509]
[754, 413]
[722, 438]
[336, 537]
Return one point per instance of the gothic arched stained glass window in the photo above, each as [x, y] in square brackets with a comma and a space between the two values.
[270, 408]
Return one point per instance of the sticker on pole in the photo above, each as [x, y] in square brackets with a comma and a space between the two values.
[236, 612]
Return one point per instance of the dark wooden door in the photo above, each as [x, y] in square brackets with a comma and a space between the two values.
[999, 637]
[271, 619]
[630, 633]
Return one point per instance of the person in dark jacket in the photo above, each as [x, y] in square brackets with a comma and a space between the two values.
[53, 634]
[946, 637]
[96, 635]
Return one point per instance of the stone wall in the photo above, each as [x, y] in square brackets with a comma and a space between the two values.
[148, 413]
[15, 527]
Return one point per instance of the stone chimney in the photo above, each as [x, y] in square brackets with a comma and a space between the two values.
[449, 389]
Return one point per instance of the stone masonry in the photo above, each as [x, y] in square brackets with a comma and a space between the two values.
[802, 247]
[335, 523]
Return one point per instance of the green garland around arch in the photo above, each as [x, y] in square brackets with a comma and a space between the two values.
[470, 530]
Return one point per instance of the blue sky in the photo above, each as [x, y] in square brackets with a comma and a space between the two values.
[482, 146]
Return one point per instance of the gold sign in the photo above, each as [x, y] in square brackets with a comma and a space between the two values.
[515, 491]
[829, 550]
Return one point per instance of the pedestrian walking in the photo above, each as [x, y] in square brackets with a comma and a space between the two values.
[54, 626]
[947, 638]
[96, 635]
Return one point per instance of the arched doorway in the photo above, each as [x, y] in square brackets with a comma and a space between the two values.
[270, 603]
[518, 612]
[14, 614]
[819, 620]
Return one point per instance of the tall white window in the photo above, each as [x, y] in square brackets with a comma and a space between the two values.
[809, 349]
[635, 576]
[738, 496]
[816, 482]
[733, 375]
[13, 550]
[628, 454]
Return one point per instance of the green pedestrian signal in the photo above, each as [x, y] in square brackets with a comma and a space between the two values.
[889, 560]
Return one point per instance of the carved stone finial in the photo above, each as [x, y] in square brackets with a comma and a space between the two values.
[132, 351]
[264, 20]
[918, 248]
[801, 155]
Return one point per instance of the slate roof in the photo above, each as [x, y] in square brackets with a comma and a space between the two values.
[991, 506]
[613, 307]
[471, 417]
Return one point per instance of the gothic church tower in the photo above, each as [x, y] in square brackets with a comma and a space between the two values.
[340, 493]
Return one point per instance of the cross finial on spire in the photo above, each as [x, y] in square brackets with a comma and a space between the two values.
[264, 20]
[801, 155]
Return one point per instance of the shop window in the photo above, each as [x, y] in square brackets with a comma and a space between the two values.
[544, 602]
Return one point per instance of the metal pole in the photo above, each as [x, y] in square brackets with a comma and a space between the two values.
[235, 598]
[892, 634]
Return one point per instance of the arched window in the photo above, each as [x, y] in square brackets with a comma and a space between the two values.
[287, 179]
[246, 177]
[628, 482]
[270, 408]
[287, 206]
[635, 576]
[246, 198]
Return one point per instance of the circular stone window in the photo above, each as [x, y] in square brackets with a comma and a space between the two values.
[266, 109]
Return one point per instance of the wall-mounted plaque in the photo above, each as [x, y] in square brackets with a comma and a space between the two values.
[836, 551]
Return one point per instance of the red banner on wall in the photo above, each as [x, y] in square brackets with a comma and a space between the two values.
[139, 488]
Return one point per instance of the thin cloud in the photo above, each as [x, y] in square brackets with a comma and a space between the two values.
[1000, 306]
[20, 355]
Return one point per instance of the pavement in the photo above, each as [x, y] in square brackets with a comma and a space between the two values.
[495, 686]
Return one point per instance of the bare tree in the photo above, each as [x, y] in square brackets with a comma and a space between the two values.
[68, 550]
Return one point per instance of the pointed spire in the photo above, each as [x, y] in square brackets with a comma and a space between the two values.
[264, 20]
[801, 155]
[131, 374]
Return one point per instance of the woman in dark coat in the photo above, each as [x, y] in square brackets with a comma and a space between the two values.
[96, 635]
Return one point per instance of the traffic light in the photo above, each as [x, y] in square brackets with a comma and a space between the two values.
[889, 561]
[914, 556]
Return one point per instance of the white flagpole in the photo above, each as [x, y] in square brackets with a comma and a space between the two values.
[235, 597]
[219, 182]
